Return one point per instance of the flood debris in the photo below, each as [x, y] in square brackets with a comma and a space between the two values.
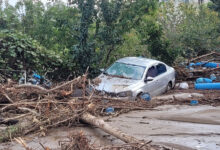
[42, 109]
[202, 66]
[80, 142]
[37, 109]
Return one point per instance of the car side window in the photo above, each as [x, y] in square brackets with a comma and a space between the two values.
[152, 72]
[161, 68]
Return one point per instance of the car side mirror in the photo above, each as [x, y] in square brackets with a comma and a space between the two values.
[102, 69]
[148, 79]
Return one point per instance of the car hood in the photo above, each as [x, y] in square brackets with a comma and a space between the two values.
[114, 84]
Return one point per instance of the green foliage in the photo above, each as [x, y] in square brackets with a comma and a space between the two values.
[199, 30]
[63, 40]
[131, 46]
[83, 53]
[9, 18]
[109, 33]
[19, 52]
[139, 18]
[215, 5]
[190, 30]
[53, 26]
[10, 132]
[30, 14]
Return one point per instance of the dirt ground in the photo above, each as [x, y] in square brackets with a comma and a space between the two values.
[175, 124]
[183, 127]
[178, 126]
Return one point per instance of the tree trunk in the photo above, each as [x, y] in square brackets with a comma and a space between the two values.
[98, 122]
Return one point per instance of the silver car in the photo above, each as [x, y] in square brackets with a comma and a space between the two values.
[131, 77]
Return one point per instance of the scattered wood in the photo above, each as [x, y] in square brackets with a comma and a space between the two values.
[49, 108]
[215, 56]
[186, 74]
[100, 123]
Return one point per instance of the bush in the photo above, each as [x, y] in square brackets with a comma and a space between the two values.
[19, 52]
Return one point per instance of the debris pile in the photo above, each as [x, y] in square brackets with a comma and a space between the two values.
[34, 109]
[80, 142]
[202, 66]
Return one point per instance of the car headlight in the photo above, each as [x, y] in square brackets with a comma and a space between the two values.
[124, 94]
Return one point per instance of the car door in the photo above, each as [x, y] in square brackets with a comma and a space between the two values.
[151, 87]
[161, 78]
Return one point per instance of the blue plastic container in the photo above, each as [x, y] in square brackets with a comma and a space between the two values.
[194, 102]
[109, 110]
[36, 76]
[191, 64]
[146, 97]
[207, 86]
[203, 80]
[211, 65]
[199, 63]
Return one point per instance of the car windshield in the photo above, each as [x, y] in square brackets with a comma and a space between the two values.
[126, 71]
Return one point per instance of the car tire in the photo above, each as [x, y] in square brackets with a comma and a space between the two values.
[139, 96]
[169, 87]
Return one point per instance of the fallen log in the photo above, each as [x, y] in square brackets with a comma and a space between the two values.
[100, 123]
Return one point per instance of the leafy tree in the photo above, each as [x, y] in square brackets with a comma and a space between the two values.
[9, 17]
[57, 27]
[30, 13]
[131, 46]
[215, 5]
[140, 17]
[109, 33]
[84, 53]
[190, 30]
[19, 52]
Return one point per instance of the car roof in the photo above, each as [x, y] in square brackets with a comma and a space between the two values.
[139, 61]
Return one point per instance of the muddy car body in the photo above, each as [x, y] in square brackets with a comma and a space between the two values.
[131, 77]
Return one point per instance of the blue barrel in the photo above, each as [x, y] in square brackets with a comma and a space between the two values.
[207, 86]
[203, 80]
[191, 64]
[194, 102]
[145, 97]
[109, 110]
[199, 63]
[211, 65]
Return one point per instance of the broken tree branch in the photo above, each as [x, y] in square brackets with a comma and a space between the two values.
[109, 129]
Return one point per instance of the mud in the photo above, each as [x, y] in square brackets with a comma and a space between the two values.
[57, 135]
[177, 126]
[183, 127]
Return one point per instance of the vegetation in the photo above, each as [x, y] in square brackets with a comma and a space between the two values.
[190, 30]
[9, 133]
[62, 40]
